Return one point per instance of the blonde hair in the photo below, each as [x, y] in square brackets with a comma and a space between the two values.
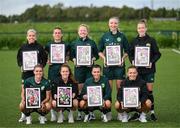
[31, 30]
[84, 25]
[116, 18]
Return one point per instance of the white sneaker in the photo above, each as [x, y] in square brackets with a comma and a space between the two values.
[60, 118]
[23, 117]
[92, 116]
[119, 117]
[28, 120]
[53, 115]
[109, 116]
[45, 119]
[124, 117]
[105, 118]
[42, 119]
[142, 117]
[79, 116]
[70, 117]
[86, 118]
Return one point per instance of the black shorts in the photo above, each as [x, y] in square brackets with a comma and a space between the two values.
[82, 73]
[114, 73]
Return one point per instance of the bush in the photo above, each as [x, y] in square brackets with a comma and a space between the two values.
[165, 41]
[3, 42]
[13, 42]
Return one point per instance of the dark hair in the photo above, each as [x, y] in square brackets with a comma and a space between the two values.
[131, 67]
[38, 66]
[143, 21]
[96, 66]
[71, 77]
[57, 27]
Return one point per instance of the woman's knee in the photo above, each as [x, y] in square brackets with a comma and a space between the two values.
[22, 106]
[48, 106]
[148, 103]
[82, 104]
[107, 104]
[117, 105]
[75, 103]
[53, 103]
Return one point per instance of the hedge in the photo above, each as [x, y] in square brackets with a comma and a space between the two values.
[14, 42]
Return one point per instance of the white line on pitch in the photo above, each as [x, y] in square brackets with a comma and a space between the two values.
[176, 51]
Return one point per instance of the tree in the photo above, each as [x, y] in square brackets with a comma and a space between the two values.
[3, 19]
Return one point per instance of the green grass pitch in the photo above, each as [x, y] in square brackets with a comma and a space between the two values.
[166, 91]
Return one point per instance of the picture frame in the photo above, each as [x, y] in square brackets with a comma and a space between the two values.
[130, 97]
[113, 55]
[94, 95]
[64, 96]
[83, 55]
[57, 53]
[142, 56]
[33, 97]
[30, 59]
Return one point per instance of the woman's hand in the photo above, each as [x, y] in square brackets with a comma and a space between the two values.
[85, 97]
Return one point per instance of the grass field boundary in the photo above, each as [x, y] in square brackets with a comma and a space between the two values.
[176, 51]
[166, 93]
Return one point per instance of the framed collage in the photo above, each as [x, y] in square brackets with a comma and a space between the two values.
[57, 53]
[64, 96]
[130, 97]
[83, 57]
[113, 55]
[30, 59]
[33, 97]
[94, 94]
[142, 56]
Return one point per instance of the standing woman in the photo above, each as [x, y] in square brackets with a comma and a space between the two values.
[146, 73]
[83, 72]
[37, 81]
[111, 38]
[65, 80]
[31, 45]
[53, 71]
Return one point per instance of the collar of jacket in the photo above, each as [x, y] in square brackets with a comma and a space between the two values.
[83, 40]
[114, 34]
[97, 82]
[61, 42]
[143, 38]
[132, 81]
[35, 42]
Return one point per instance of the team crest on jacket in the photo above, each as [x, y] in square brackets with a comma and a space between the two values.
[148, 44]
[107, 40]
[43, 87]
[103, 85]
[119, 39]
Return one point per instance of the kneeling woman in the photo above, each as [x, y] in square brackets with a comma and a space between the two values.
[96, 80]
[144, 103]
[37, 81]
[65, 80]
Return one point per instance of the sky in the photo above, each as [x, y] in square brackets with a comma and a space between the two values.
[11, 7]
